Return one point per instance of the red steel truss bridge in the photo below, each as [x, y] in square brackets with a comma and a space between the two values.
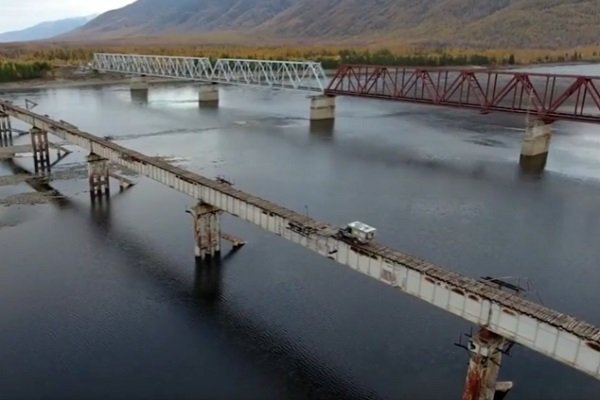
[545, 97]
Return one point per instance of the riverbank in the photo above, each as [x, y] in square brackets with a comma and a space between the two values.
[84, 81]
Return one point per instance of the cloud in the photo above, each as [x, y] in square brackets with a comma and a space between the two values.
[19, 14]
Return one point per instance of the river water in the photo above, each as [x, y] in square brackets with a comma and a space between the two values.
[106, 301]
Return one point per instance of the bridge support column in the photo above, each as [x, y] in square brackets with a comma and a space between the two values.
[486, 349]
[98, 174]
[139, 84]
[207, 231]
[139, 89]
[41, 150]
[322, 108]
[535, 148]
[6, 136]
[208, 95]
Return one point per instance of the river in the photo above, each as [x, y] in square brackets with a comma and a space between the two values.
[106, 301]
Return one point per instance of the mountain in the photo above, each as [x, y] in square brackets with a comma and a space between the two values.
[186, 16]
[477, 23]
[44, 30]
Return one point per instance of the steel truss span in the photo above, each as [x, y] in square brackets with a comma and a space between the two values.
[160, 66]
[546, 331]
[296, 75]
[547, 97]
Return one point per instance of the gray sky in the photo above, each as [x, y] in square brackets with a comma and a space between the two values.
[19, 14]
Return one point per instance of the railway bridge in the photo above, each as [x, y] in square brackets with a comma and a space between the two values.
[541, 98]
[503, 317]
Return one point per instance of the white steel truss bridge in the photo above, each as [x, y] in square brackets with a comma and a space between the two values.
[295, 75]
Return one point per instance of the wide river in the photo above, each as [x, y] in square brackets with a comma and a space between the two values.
[106, 302]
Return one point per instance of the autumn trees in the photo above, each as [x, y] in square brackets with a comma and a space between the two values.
[25, 61]
[14, 71]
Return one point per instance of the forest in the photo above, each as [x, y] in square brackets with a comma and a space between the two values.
[19, 62]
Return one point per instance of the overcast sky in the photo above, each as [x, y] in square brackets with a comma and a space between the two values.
[18, 14]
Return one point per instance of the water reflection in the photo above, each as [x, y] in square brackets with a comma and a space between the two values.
[208, 105]
[322, 128]
[534, 165]
[139, 97]
[100, 210]
[208, 277]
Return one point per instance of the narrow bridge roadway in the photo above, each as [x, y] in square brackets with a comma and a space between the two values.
[500, 313]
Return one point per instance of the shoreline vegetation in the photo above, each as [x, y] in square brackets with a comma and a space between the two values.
[11, 71]
[42, 65]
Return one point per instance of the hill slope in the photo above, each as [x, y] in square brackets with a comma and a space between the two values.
[185, 16]
[44, 30]
[491, 23]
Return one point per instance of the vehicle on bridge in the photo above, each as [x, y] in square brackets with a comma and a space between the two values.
[359, 232]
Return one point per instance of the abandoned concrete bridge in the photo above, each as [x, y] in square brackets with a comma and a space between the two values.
[504, 317]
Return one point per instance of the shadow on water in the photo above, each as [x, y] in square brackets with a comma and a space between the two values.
[40, 184]
[309, 377]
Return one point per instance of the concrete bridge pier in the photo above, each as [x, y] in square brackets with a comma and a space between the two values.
[98, 174]
[139, 89]
[6, 134]
[207, 231]
[208, 95]
[139, 83]
[535, 147]
[322, 108]
[486, 349]
[41, 150]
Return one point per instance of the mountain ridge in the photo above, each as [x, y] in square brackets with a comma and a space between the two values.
[475, 23]
[44, 30]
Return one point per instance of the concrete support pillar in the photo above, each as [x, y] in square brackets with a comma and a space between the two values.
[536, 145]
[6, 135]
[322, 108]
[139, 89]
[98, 174]
[208, 95]
[41, 150]
[207, 231]
[486, 349]
[139, 83]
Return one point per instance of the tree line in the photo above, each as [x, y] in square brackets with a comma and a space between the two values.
[387, 57]
[331, 56]
[34, 61]
[15, 71]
